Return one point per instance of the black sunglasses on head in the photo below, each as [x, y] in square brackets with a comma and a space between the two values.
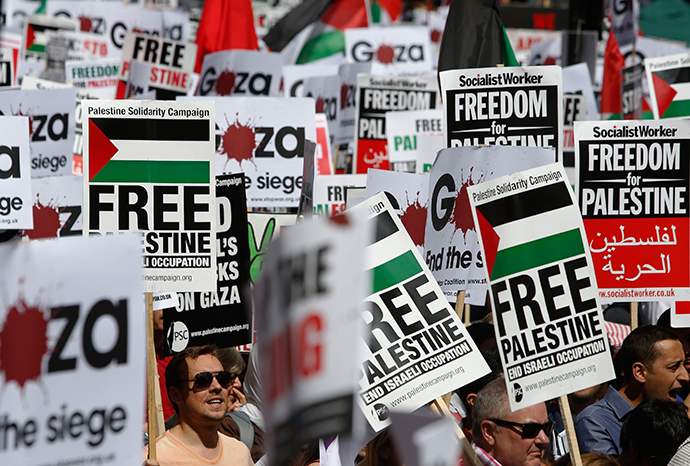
[203, 380]
[529, 430]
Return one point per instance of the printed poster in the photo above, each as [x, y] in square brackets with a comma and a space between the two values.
[390, 50]
[669, 85]
[57, 206]
[241, 73]
[263, 227]
[15, 174]
[329, 192]
[548, 321]
[633, 197]
[294, 76]
[97, 77]
[403, 128]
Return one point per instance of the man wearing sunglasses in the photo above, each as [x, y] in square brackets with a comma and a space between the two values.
[198, 389]
[505, 438]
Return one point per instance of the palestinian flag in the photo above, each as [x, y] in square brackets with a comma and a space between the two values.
[34, 34]
[129, 150]
[672, 92]
[314, 30]
[386, 11]
[529, 229]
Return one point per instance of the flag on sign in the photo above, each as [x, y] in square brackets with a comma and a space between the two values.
[386, 11]
[507, 254]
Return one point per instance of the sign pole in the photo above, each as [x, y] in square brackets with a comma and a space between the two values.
[564, 404]
[152, 373]
[441, 408]
[460, 303]
[633, 315]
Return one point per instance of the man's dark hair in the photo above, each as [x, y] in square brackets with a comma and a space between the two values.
[493, 359]
[177, 369]
[655, 429]
[640, 346]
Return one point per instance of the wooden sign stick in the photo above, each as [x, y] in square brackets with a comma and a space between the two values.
[633, 315]
[441, 408]
[152, 376]
[564, 404]
[460, 303]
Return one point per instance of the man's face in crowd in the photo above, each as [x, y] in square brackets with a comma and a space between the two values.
[510, 449]
[203, 406]
[667, 373]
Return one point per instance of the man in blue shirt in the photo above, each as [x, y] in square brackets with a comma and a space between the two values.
[651, 360]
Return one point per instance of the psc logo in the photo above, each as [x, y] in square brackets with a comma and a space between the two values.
[517, 391]
[178, 337]
[381, 411]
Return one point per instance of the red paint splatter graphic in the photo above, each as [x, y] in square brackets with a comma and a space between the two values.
[46, 220]
[85, 24]
[319, 105]
[413, 219]
[26, 113]
[238, 142]
[549, 61]
[137, 30]
[435, 36]
[225, 83]
[462, 213]
[23, 343]
[385, 54]
[343, 96]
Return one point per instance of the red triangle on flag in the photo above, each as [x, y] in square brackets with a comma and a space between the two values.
[30, 36]
[101, 150]
[664, 94]
[490, 241]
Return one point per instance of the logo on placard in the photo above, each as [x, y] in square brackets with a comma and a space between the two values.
[386, 54]
[381, 411]
[237, 142]
[9, 162]
[230, 82]
[517, 391]
[178, 337]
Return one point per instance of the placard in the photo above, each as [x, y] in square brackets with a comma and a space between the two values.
[325, 90]
[241, 73]
[402, 129]
[34, 35]
[548, 321]
[348, 101]
[631, 91]
[329, 192]
[669, 85]
[391, 50]
[294, 75]
[98, 77]
[263, 227]
[57, 205]
[149, 166]
[15, 174]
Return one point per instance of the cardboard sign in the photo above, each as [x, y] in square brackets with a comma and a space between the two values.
[402, 129]
[241, 73]
[51, 114]
[578, 80]
[390, 50]
[294, 75]
[451, 245]
[15, 174]
[329, 192]
[424, 439]
[416, 347]
[549, 325]
[264, 138]
[522, 41]
[633, 195]
[7, 68]
[574, 109]
[149, 167]
[34, 37]
[408, 194]
[98, 77]
[60, 340]
[348, 101]
[160, 301]
[631, 91]
[263, 227]
[324, 158]
[377, 95]
[680, 314]
[669, 85]
[325, 90]
[308, 311]
[57, 205]
[624, 20]
[172, 64]
[218, 317]
[427, 149]
[137, 80]
[84, 45]
[504, 106]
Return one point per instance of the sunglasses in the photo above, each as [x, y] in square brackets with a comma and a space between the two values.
[529, 430]
[203, 380]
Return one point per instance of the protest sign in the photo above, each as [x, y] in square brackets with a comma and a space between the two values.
[308, 312]
[377, 95]
[160, 301]
[416, 348]
[517, 106]
[631, 92]
[325, 90]
[427, 148]
[263, 227]
[264, 138]
[241, 73]
[408, 194]
[324, 158]
[574, 109]
[451, 245]
[402, 129]
[220, 316]
[84, 45]
[522, 41]
[329, 192]
[390, 50]
[680, 314]
[633, 195]
[624, 15]
[348, 102]
[34, 37]
[98, 77]
[15, 174]
[669, 85]
[578, 80]
[149, 167]
[137, 80]
[424, 439]
[305, 208]
[72, 365]
[7, 68]
[57, 202]
[172, 64]
[294, 75]
[548, 322]
[51, 115]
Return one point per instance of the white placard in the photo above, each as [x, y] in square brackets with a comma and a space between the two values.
[390, 50]
[402, 129]
[16, 211]
[241, 73]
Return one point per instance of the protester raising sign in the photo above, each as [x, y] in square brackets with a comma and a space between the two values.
[149, 167]
[548, 321]
[308, 313]
[15, 176]
[415, 348]
[504, 106]
[633, 194]
[70, 354]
